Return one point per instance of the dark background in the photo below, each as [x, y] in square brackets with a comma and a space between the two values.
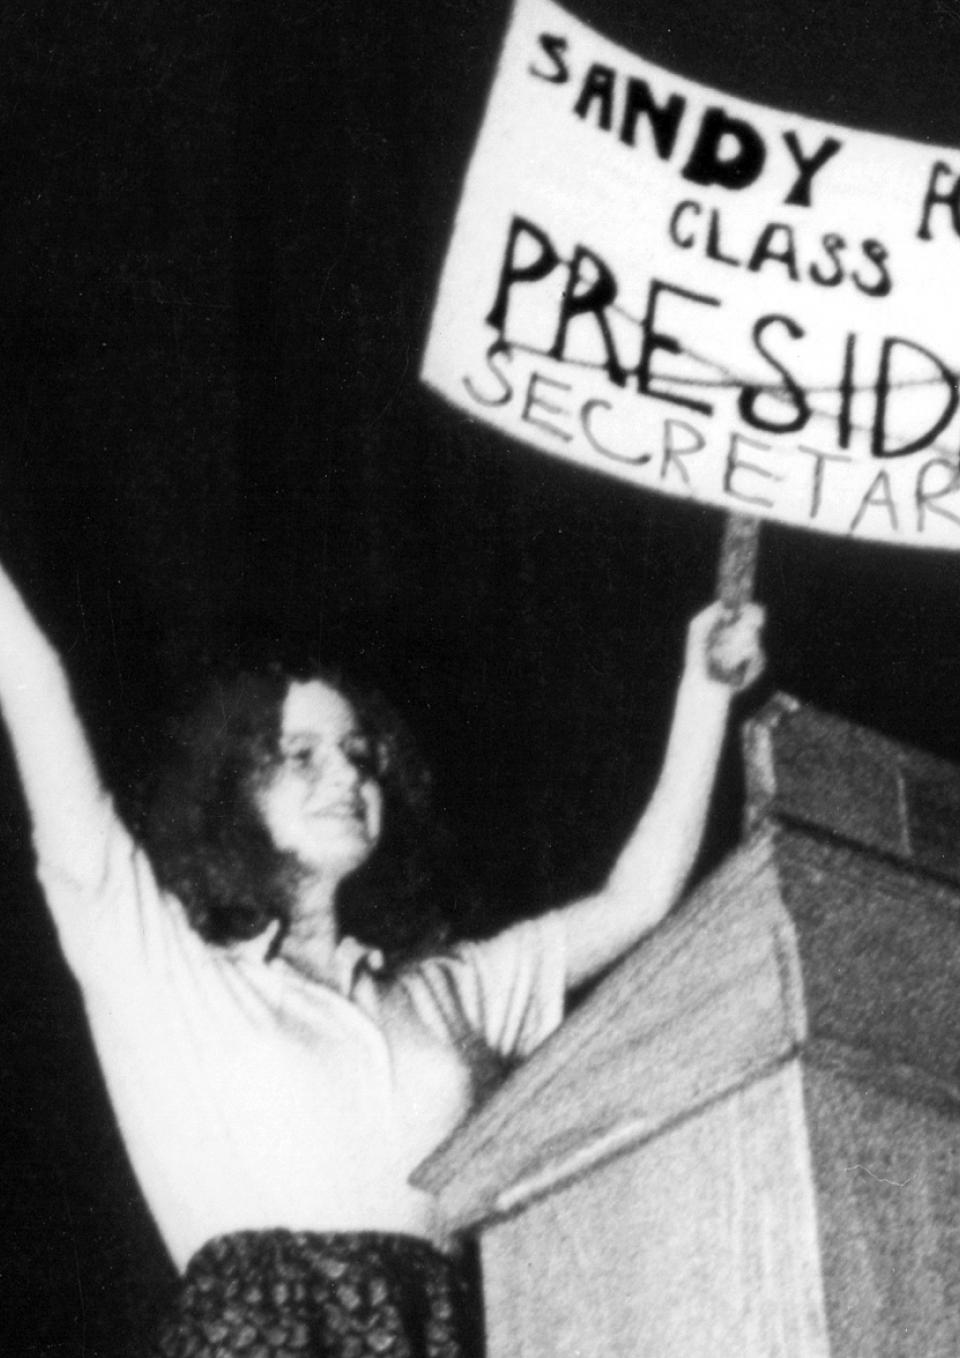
[222, 224]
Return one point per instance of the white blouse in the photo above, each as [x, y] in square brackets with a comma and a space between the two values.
[250, 1096]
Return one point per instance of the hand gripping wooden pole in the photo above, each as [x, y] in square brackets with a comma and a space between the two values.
[736, 571]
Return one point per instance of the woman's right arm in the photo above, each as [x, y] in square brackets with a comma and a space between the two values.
[59, 776]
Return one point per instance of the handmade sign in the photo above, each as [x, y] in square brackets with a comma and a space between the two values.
[704, 296]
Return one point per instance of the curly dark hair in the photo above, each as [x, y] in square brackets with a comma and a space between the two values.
[210, 847]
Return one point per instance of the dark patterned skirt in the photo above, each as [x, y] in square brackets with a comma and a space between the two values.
[285, 1294]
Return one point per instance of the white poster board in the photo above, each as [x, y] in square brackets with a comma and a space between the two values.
[707, 297]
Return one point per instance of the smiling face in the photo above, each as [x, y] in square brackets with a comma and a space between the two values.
[323, 802]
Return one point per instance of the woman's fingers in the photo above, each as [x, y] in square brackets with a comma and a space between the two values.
[726, 645]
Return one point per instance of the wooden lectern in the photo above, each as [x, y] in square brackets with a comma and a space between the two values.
[746, 1142]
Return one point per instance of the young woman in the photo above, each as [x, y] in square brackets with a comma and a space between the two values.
[275, 1080]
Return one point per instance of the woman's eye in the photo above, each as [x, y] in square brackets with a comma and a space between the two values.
[361, 755]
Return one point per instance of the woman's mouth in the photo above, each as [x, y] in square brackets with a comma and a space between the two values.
[348, 809]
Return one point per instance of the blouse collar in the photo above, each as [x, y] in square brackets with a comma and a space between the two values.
[350, 958]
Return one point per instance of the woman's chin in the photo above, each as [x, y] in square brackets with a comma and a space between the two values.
[342, 859]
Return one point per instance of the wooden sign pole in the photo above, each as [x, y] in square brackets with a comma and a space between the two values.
[736, 571]
[737, 566]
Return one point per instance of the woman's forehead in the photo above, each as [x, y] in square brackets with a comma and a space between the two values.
[312, 707]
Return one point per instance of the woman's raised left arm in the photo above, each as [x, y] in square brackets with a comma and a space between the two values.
[652, 870]
[57, 769]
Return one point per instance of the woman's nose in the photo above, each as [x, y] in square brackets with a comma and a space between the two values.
[341, 770]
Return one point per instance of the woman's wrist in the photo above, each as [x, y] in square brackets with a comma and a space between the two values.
[704, 691]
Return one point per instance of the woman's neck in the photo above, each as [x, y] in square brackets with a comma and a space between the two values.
[310, 941]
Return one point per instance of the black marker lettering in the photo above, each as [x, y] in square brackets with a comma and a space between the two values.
[714, 247]
[750, 396]
[553, 48]
[674, 452]
[820, 461]
[597, 87]
[878, 255]
[775, 243]
[948, 379]
[685, 242]
[799, 195]
[599, 293]
[664, 118]
[879, 496]
[494, 356]
[735, 464]
[833, 246]
[586, 422]
[512, 272]
[654, 339]
[711, 161]
[535, 402]
[847, 392]
[938, 197]
[925, 498]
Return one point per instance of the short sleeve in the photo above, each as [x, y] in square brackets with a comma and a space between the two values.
[508, 990]
[116, 920]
